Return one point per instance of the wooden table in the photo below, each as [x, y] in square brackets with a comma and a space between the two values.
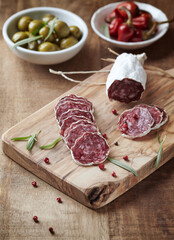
[144, 212]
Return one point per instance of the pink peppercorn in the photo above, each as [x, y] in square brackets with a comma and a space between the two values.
[101, 166]
[35, 218]
[105, 136]
[34, 183]
[114, 111]
[59, 200]
[114, 174]
[46, 160]
[125, 158]
[51, 230]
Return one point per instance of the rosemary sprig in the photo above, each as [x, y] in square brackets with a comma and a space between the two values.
[49, 146]
[31, 141]
[51, 28]
[20, 138]
[106, 31]
[35, 32]
[159, 151]
[27, 40]
[122, 165]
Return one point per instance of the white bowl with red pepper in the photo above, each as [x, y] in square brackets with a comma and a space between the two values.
[130, 25]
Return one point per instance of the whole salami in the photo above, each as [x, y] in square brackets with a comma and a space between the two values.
[127, 79]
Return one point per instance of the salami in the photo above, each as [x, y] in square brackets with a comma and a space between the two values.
[77, 132]
[74, 98]
[141, 119]
[74, 124]
[68, 121]
[89, 149]
[76, 112]
[67, 105]
[136, 122]
[164, 116]
[127, 78]
[155, 113]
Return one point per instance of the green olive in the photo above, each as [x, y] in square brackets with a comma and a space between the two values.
[18, 36]
[61, 29]
[48, 17]
[33, 25]
[33, 45]
[48, 47]
[75, 32]
[68, 42]
[44, 33]
[24, 22]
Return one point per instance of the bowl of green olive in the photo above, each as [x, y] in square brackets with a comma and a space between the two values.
[45, 35]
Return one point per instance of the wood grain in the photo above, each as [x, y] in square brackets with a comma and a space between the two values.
[89, 185]
[145, 212]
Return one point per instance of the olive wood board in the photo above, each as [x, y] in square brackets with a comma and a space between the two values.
[90, 185]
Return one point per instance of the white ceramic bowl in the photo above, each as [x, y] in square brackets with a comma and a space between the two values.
[97, 22]
[46, 58]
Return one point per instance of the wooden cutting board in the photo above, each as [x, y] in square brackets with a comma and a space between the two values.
[90, 185]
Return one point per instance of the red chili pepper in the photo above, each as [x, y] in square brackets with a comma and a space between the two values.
[113, 26]
[131, 6]
[126, 30]
[137, 37]
[111, 16]
[143, 20]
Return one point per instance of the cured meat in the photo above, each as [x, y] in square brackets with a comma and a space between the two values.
[127, 78]
[65, 106]
[136, 122]
[164, 116]
[89, 149]
[155, 113]
[77, 132]
[74, 98]
[73, 125]
[76, 112]
[68, 121]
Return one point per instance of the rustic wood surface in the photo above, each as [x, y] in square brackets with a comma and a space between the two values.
[89, 185]
[145, 212]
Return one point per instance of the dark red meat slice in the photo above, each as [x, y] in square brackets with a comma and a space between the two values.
[155, 113]
[68, 121]
[164, 115]
[77, 132]
[74, 98]
[76, 112]
[65, 106]
[136, 122]
[127, 90]
[89, 149]
[73, 125]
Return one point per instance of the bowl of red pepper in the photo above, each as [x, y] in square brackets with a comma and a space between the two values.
[130, 25]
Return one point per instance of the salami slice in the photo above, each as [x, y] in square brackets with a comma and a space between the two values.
[89, 149]
[155, 113]
[136, 122]
[77, 132]
[74, 124]
[76, 112]
[65, 106]
[164, 115]
[127, 78]
[68, 121]
[74, 98]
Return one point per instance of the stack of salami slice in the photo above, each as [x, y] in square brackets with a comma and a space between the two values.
[78, 128]
[140, 120]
